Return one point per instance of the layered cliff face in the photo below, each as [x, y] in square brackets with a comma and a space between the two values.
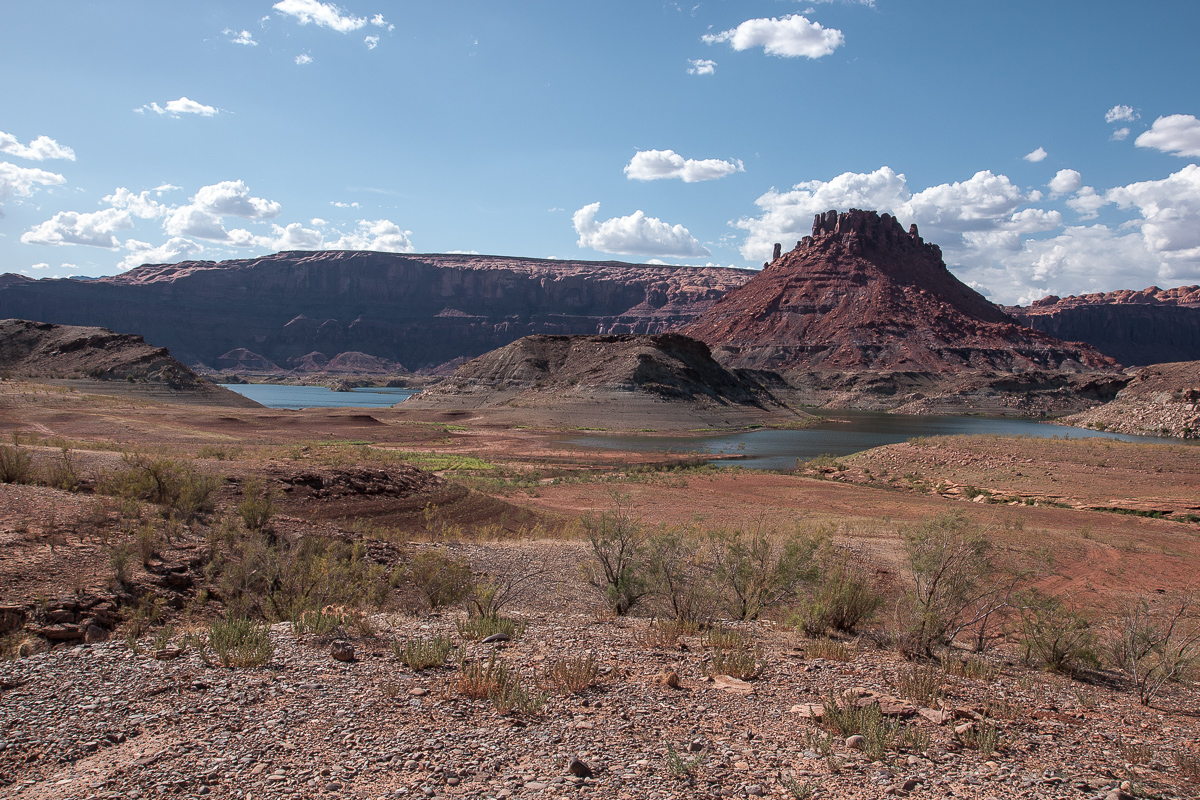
[862, 293]
[418, 310]
[1136, 328]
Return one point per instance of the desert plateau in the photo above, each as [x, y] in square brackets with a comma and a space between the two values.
[462, 400]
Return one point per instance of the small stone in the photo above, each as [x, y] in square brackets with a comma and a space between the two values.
[418, 691]
[341, 650]
[578, 768]
[855, 742]
[910, 785]
[95, 634]
[333, 786]
[754, 790]
[964, 729]
[668, 678]
[497, 637]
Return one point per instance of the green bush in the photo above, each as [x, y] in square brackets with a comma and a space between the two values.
[758, 570]
[842, 598]
[442, 579]
[16, 465]
[1056, 637]
[476, 628]
[238, 642]
[618, 544]
[176, 486]
[680, 570]
[257, 505]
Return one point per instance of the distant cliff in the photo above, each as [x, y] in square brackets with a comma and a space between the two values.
[1136, 328]
[296, 308]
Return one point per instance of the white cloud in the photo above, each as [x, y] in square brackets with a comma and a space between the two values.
[702, 66]
[94, 229]
[243, 37]
[1120, 134]
[1037, 155]
[379, 22]
[973, 204]
[372, 42]
[140, 205]
[651, 165]
[317, 222]
[790, 36]
[232, 198]
[40, 149]
[175, 108]
[1170, 210]
[41, 265]
[462, 252]
[20, 181]
[324, 15]
[339, 204]
[1087, 202]
[296, 237]
[1121, 114]
[1065, 181]
[635, 234]
[201, 217]
[1178, 134]
[304, 58]
[146, 253]
[382, 235]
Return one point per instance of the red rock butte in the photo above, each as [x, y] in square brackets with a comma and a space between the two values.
[863, 293]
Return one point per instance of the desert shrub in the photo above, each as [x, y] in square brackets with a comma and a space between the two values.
[476, 628]
[1056, 637]
[321, 622]
[281, 579]
[955, 585]
[618, 544]
[982, 736]
[843, 597]
[1156, 646]
[680, 570]
[573, 675]
[62, 472]
[848, 719]
[442, 579]
[16, 465]
[176, 486]
[724, 639]
[743, 662]
[257, 505]
[120, 559]
[147, 542]
[238, 642]
[512, 576]
[663, 634]
[421, 654]
[921, 683]
[757, 570]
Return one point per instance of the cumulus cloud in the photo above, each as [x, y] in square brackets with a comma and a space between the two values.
[201, 217]
[1170, 210]
[635, 234]
[1037, 155]
[140, 205]
[1120, 134]
[339, 204]
[323, 15]
[243, 37]
[702, 66]
[303, 58]
[40, 149]
[652, 165]
[21, 181]
[94, 229]
[1065, 181]
[372, 42]
[145, 253]
[381, 235]
[1178, 134]
[176, 108]
[1087, 202]
[379, 22]
[232, 198]
[1120, 114]
[790, 36]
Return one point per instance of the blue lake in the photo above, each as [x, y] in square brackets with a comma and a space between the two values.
[274, 395]
[857, 431]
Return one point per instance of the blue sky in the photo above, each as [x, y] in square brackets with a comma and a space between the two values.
[1047, 147]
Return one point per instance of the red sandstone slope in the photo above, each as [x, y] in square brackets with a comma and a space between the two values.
[863, 293]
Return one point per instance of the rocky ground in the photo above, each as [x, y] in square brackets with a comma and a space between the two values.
[1159, 400]
[110, 721]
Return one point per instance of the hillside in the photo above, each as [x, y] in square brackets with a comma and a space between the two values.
[1135, 328]
[95, 356]
[302, 309]
[862, 293]
[1160, 400]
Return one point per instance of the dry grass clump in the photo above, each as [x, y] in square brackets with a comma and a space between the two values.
[828, 649]
[421, 654]
[16, 465]
[495, 681]
[477, 628]
[664, 634]
[744, 663]
[238, 643]
[921, 683]
[573, 675]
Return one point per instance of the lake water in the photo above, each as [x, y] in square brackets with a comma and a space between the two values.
[861, 430]
[274, 395]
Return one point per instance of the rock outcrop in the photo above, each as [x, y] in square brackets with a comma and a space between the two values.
[862, 293]
[42, 351]
[418, 310]
[1135, 328]
[1159, 400]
